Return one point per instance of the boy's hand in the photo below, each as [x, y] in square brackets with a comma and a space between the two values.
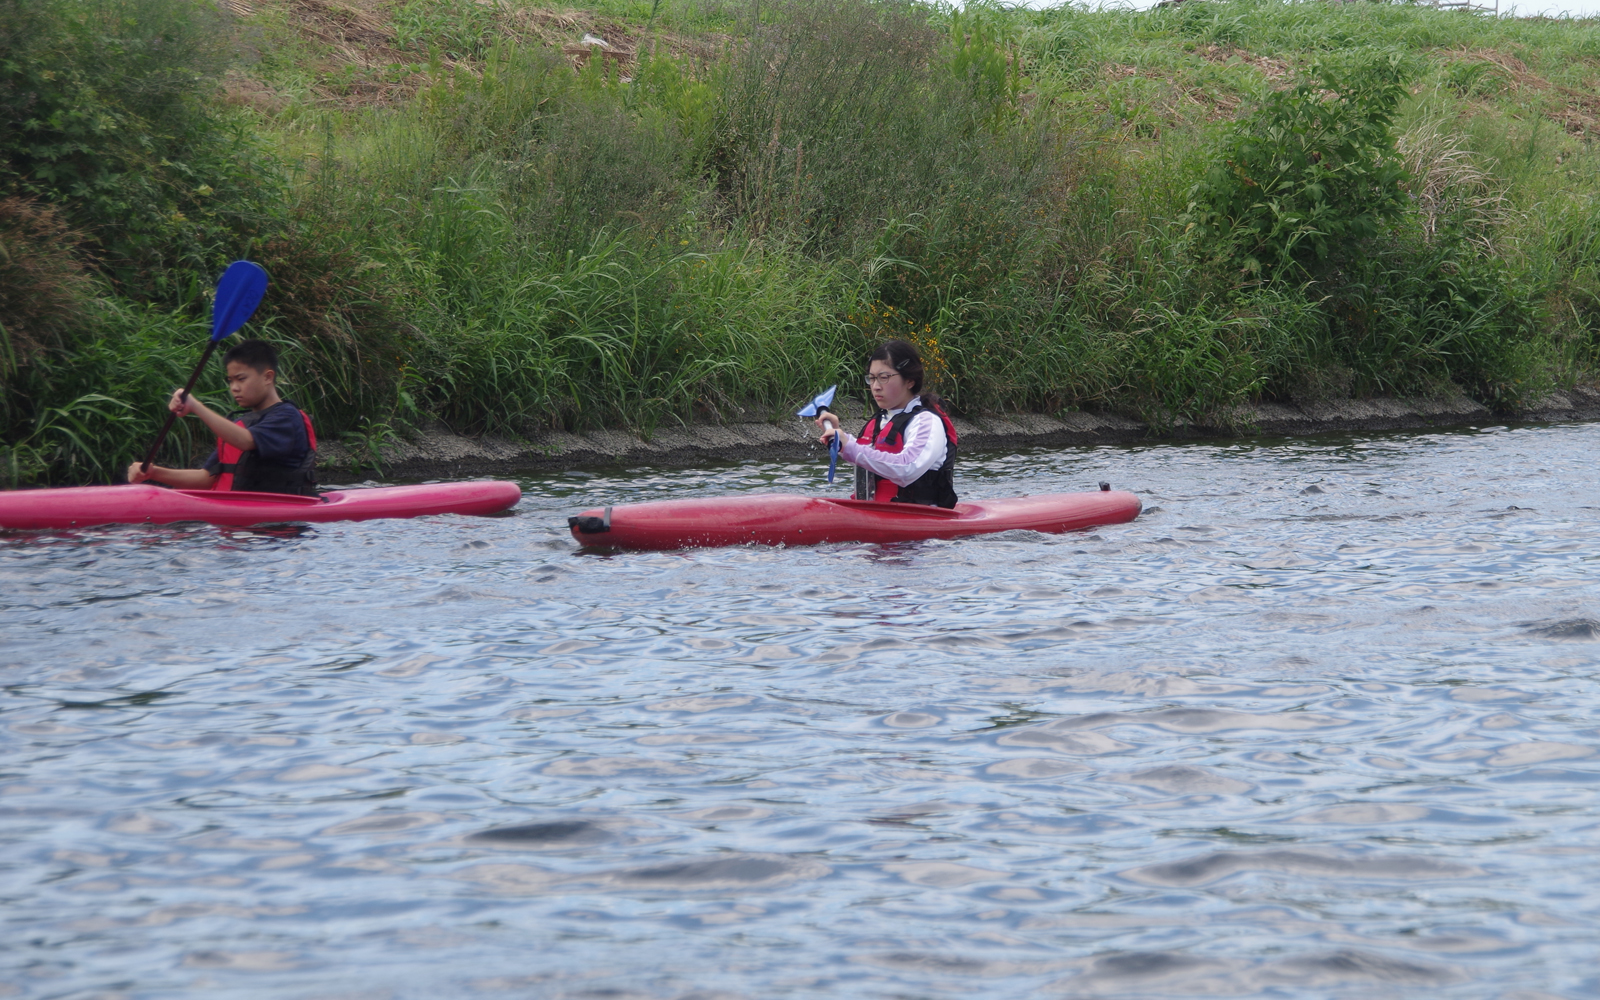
[181, 404]
[138, 475]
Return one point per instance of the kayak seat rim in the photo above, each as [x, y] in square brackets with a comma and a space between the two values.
[883, 507]
[244, 496]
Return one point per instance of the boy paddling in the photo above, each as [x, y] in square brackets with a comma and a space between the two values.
[270, 447]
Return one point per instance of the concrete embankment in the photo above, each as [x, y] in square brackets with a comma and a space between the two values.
[439, 453]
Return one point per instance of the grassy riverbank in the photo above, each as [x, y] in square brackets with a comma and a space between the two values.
[471, 214]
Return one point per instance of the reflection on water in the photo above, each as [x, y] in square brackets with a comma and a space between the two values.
[1322, 722]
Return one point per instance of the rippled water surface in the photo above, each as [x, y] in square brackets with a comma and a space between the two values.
[1321, 723]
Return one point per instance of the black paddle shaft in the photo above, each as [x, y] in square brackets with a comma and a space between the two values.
[172, 415]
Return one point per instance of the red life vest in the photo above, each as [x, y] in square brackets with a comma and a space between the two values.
[246, 468]
[935, 488]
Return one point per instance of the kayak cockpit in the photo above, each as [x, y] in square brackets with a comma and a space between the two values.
[886, 507]
[244, 496]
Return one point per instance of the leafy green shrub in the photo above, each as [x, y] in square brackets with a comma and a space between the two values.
[1413, 315]
[1306, 176]
[976, 243]
[104, 112]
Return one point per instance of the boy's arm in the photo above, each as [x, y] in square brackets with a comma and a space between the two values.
[221, 426]
[193, 479]
[183, 479]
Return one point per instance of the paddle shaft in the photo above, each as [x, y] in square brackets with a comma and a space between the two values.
[150, 456]
[829, 417]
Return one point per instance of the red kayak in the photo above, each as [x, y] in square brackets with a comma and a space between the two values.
[801, 520]
[146, 503]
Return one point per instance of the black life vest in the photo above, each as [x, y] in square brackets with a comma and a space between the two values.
[245, 471]
[934, 488]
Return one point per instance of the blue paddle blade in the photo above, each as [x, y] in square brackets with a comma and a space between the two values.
[239, 291]
[822, 402]
[814, 408]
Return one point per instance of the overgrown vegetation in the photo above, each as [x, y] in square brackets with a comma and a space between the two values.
[512, 218]
[1311, 175]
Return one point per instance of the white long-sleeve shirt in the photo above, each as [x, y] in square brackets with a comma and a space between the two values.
[924, 449]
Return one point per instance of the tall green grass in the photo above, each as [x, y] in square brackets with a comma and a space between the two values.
[1049, 203]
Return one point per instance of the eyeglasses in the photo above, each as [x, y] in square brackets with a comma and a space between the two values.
[875, 379]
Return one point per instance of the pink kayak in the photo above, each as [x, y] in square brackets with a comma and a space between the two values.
[801, 520]
[146, 503]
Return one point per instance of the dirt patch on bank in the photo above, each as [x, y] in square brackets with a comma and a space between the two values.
[361, 57]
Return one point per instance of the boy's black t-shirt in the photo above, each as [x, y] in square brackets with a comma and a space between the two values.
[280, 436]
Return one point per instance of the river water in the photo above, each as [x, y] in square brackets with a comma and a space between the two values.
[1320, 723]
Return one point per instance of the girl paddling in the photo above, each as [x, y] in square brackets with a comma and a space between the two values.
[907, 452]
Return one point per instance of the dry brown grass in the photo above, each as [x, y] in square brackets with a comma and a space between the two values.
[1279, 73]
[341, 34]
[1213, 106]
[1184, 101]
[45, 284]
[1450, 181]
[1177, 102]
[243, 90]
[1577, 111]
[354, 31]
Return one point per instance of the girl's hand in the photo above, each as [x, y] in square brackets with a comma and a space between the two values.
[829, 424]
[137, 475]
